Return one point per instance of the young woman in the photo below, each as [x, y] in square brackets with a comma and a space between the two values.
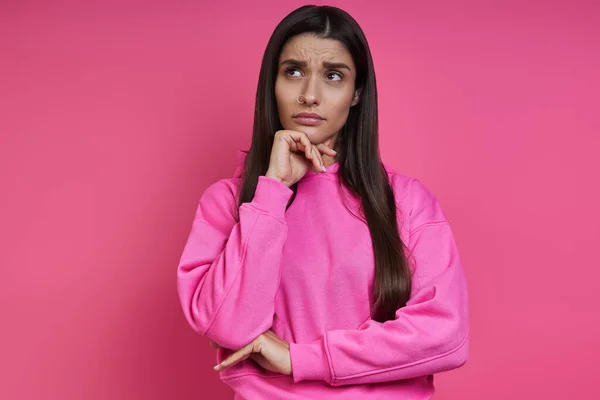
[316, 270]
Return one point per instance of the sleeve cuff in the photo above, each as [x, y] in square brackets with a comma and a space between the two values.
[271, 196]
[309, 361]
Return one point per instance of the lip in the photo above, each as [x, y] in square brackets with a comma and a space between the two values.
[306, 114]
[308, 118]
[308, 121]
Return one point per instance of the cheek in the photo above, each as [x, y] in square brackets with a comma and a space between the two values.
[342, 107]
[281, 98]
[278, 96]
[338, 111]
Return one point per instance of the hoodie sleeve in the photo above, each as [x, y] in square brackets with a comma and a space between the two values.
[228, 273]
[429, 335]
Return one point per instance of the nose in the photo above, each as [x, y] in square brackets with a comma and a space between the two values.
[312, 94]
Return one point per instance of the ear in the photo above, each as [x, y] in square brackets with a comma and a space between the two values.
[356, 98]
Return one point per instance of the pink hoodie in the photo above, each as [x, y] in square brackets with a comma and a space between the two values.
[307, 273]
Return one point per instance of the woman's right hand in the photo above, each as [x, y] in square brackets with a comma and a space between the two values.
[293, 154]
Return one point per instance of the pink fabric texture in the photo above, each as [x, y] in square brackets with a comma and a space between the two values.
[307, 273]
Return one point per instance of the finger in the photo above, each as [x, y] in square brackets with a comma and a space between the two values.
[323, 148]
[240, 360]
[310, 150]
[315, 160]
[302, 141]
[304, 144]
[233, 359]
[297, 143]
[303, 138]
[290, 142]
[318, 161]
[260, 359]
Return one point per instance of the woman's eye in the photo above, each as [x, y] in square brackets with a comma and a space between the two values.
[335, 74]
[290, 71]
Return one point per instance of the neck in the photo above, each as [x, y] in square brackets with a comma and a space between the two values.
[328, 160]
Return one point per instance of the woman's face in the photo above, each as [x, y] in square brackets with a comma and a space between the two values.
[322, 71]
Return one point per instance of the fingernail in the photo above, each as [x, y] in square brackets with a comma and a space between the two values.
[216, 366]
[323, 168]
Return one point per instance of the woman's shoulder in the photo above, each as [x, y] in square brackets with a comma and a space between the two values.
[240, 160]
[223, 194]
[414, 199]
[230, 185]
[406, 187]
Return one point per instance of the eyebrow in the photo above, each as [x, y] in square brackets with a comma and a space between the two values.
[326, 64]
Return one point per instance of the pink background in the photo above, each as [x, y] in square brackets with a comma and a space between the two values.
[114, 118]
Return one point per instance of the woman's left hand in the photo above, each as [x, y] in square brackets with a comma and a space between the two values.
[268, 350]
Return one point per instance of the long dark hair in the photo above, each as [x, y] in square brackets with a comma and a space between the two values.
[360, 166]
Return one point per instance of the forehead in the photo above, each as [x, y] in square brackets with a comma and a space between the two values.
[308, 47]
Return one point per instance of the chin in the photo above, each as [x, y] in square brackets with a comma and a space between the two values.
[312, 132]
[314, 136]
